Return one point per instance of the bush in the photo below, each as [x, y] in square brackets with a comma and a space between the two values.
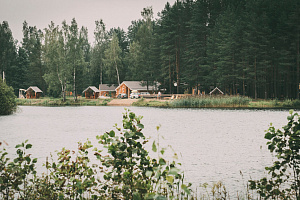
[284, 182]
[7, 99]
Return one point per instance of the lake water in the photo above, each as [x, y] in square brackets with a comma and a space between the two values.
[213, 145]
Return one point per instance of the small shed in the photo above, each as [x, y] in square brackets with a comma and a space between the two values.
[91, 92]
[216, 91]
[107, 90]
[33, 92]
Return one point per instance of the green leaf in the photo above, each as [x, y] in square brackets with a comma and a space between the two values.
[28, 146]
[112, 133]
[162, 161]
[170, 179]
[141, 126]
[185, 189]
[148, 173]
[154, 149]
[174, 171]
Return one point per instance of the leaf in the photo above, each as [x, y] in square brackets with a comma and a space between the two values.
[112, 133]
[154, 149]
[185, 189]
[170, 179]
[174, 171]
[162, 161]
[141, 126]
[148, 173]
[28, 146]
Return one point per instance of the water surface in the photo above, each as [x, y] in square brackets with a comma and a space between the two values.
[213, 145]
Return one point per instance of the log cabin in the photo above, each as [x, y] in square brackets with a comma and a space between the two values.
[33, 92]
[91, 92]
[107, 90]
[126, 87]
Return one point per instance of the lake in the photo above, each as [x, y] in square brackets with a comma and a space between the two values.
[213, 144]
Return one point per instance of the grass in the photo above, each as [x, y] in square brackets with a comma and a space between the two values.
[211, 102]
[49, 101]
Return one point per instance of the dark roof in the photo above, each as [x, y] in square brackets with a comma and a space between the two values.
[92, 88]
[138, 85]
[106, 87]
[34, 88]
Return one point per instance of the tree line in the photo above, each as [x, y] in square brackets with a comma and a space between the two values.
[243, 47]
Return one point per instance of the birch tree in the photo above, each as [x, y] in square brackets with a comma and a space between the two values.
[58, 72]
[112, 60]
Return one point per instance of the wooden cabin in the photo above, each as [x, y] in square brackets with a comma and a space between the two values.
[91, 92]
[126, 87]
[107, 90]
[216, 91]
[33, 92]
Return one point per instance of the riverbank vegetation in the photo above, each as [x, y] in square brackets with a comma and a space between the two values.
[119, 167]
[7, 99]
[242, 47]
[221, 102]
[69, 101]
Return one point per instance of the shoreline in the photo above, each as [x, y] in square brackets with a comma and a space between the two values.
[160, 103]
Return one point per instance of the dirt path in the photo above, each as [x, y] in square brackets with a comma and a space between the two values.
[121, 102]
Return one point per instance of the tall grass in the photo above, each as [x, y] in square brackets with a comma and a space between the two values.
[215, 101]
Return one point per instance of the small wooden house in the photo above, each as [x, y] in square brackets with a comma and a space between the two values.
[91, 92]
[216, 91]
[33, 92]
[126, 87]
[107, 90]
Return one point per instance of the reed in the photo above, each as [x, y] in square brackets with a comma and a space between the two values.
[206, 102]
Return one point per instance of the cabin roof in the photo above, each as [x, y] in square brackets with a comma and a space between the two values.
[137, 85]
[107, 87]
[92, 88]
[34, 88]
[216, 89]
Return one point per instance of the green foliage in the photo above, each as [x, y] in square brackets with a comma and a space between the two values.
[129, 171]
[7, 99]
[284, 182]
[219, 101]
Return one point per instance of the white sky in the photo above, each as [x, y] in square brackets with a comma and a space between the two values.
[39, 13]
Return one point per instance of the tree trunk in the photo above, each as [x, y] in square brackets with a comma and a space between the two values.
[117, 74]
[255, 80]
[177, 68]
[74, 85]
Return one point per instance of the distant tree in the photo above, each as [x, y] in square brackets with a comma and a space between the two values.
[112, 60]
[7, 99]
[97, 52]
[8, 56]
[32, 45]
[58, 72]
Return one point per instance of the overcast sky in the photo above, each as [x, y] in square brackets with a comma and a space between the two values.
[39, 13]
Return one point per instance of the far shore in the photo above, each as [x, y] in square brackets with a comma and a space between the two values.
[154, 102]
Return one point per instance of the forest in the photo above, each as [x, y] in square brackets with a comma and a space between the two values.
[248, 48]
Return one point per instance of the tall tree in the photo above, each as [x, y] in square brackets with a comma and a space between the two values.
[8, 56]
[58, 71]
[32, 44]
[112, 60]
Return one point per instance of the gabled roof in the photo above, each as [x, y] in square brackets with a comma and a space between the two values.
[107, 87]
[34, 88]
[137, 85]
[216, 89]
[92, 88]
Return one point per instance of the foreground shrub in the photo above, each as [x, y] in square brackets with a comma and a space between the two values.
[7, 99]
[284, 182]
